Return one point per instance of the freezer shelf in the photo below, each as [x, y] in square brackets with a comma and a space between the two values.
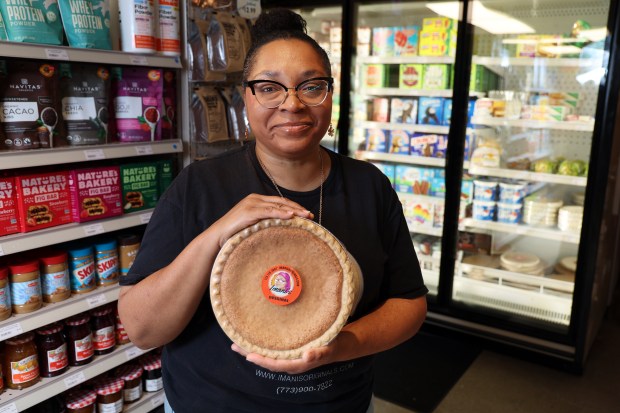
[147, 403]
[534, 124]
[529, 176]
[520, 229]
[394, 91]
[406, 159]
[403, 126]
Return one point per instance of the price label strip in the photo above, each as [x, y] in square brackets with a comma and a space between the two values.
[75, 379]
[94, 154]
[144, 150]
[57, 54]
[139, 60]
[96, 300]
[157, 400]
[134, 352]
[11, 330]
[146, 217]
[93, 229]
[9, 408]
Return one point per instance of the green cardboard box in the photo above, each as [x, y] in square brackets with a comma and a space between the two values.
[140, 186]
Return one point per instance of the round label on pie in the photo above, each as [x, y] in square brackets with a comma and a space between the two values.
[281, 285]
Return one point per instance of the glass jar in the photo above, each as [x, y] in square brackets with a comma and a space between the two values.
[128, 245]
[25, 287]
[82, 270]
[109, 395]
[104, 337]
[81, 401]
[5, 294]
[132, 376]
[21, 364]
[79, 340]
[55, 276]
[53, 359]
[121, 334]
[106, 257]
[151, 378]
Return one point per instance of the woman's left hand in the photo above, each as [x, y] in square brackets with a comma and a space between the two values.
[310, 359]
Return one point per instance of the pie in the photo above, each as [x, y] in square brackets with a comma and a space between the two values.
[281, 287]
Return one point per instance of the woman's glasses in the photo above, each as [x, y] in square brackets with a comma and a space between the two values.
[271, 94]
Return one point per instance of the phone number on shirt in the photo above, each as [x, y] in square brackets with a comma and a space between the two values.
[304, 389]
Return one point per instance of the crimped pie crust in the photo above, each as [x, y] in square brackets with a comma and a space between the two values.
[332, 286]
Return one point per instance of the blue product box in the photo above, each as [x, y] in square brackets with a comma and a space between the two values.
[438, 187]
[447, 112]
[403, 110]
[430, 110]
[399, 142]
[377, 140]
[413, 179]
[406, 40]
[427, 144]
[388, 170]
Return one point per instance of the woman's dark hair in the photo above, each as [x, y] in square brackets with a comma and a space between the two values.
[277, 24]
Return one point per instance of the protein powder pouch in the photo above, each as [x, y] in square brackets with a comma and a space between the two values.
[87, 23]
[29, 105]
[32, 21]
[84, 90]
[2, 29]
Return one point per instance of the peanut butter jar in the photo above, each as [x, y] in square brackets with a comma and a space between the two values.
[55, 276]
[25, 287]
[5, 294]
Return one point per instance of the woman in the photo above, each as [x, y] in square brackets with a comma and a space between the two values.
[285, 173]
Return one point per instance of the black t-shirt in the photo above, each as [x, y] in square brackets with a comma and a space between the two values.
[360, 208]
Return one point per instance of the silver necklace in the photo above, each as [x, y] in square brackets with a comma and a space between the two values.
[273, 181]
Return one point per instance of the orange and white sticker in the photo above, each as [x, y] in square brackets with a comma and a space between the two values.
[25, 370]
[281, 285]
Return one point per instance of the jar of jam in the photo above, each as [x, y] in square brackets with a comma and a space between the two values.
[81, 401]
[5, 294]
[132, 376]
[82, 270]
[21, 365]
[151, 378]
[55, 276]
[121, 334]
[109, 395]
[53, 359]
[103, 323]
[25, 287]
[79, 340]
[106, 261]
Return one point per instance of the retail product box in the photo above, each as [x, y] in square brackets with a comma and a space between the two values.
[413, 179]
[375, 75]
[438, 23]
[362, 108]
[95, 193]
[436, 77]
[406, 40]
[377, 140]
[467, 190]
[139, 186]
[430, 111]
[438, 214]
[9, 213]
[438, 186]
[381, 110]
[447, 112]
[335, 34]
[43, 199]
[428, 144]
[437, 43]
[478, 78]
[165, 175]
[545, 112]
[383, 41]
[434, 36]
[399, 142]
[403, 110]
[418, 214]
[364, 36]
[388, 170]
[410, 76]
[527, 45]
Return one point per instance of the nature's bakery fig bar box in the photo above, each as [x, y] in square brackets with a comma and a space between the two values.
[43, 199]
[95, 193]
[9, 215]
[139, 185]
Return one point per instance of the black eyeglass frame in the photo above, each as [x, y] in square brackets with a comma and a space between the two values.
[328, 79]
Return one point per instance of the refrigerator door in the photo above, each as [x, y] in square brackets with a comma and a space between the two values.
[539, 66]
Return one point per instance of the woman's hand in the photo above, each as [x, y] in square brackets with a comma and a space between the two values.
[311, 359]
[254, 208]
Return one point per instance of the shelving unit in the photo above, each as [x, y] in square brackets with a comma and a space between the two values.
[528, 176]
[405, 59]
[393, 91]
[534, 124]
[406, 159]
[147, 403]
[499, 64]
[520, 229]
[444, 130]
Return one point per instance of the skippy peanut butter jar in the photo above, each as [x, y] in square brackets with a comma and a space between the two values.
[44, 200]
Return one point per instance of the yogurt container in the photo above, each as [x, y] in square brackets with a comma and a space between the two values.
[512, 193]
[484, 210]
[509, 213]
[485, 190]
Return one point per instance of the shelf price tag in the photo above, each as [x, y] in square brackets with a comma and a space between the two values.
[144, 150]
[249, 9]
[146, 217]
[11, 330]
[9, 408]
[94, 154]
[93, 229]
[157, 400]
[96, 300]
[139, 60]
[57, 54]
[134, 352]
[75, 379]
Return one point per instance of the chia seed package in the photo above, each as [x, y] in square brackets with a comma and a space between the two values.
[32, 21]
[87, 23]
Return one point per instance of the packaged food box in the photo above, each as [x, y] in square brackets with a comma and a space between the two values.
[410, 76]
[9, 213]
[436, 76]
[438, 187]
[377, 140]
[381, 109]
[165, 175]
[438, 213]
[364, 35]
[375, 75]
[383, 41]
[418, 214]
[43, 199]
[406, 40]
[95, 193]
[413, 179]
[447, 111]
[424, 144]
[388, 170]
[403, 110]
[399, 142]
[430, 110]
[139, 186]
[438, 23]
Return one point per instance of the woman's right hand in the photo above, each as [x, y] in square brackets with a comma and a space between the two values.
[254, 208]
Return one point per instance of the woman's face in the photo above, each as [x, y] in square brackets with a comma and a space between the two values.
[291, 130]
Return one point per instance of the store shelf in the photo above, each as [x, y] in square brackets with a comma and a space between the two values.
[499, 64]
[405, 59]
[51, 312]
[405, 159]
[534, 124]
[528, 176]
[520, 229]
[426, 230]
[394, 91]
[19, 400]
[57, 156]
[444, 130]
[12, 244]
[421, 198]
[147, 403]
[70, 54]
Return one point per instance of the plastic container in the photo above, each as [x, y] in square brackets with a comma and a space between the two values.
[138, 20]
[512, 193]
[484, 210]
[5, 294]
[509, 213]
[52, 347]
[25, 287]
[485, 190]
[106, 262]
[82, 270]
[56, 285]
[168, 28]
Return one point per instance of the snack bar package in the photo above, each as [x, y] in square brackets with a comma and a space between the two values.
[87, 23]
[95, 193]
[32, 21]
[43, 199]
[9, 214]
[140, 187]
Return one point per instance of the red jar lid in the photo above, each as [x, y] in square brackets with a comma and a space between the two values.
[24, 267]
[77, 320]
[81, 398]
[4, 273]
[50, 329]
[54, 258]
[130, 372]
[21, 339]
[151, 363]
[109, 386]
[102, 311]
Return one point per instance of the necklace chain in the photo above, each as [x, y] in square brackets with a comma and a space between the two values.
[273, 181]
